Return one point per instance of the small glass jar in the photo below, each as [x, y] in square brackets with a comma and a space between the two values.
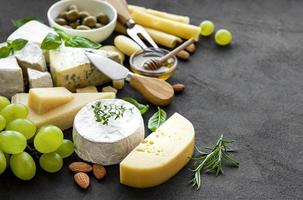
[138, 59]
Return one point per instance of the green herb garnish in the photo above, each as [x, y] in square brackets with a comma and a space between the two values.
[212, 161]
[11, 47]
[54, 41]
[143, 108]
[157, 119]
[104, 112]
[19, 22]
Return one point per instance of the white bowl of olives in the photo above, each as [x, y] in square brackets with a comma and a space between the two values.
[93, 19]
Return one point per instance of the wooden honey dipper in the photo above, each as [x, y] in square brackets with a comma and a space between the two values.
[154, 64]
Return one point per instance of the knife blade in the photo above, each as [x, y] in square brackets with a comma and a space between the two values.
[110, 68]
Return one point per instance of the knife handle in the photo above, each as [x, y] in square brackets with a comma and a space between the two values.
[156, 91]
[122, 10]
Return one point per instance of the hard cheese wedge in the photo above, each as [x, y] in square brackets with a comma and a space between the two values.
[62, 116]
[42, 100]
[88, 89]
[161, 155]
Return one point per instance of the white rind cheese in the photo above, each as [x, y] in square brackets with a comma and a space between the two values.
[11, 77]
[31, 56]
[107, 144]
[33, 31]
[39, 79]
[71, 68]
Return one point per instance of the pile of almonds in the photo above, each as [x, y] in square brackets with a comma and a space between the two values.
[82, 168]
[185, 54]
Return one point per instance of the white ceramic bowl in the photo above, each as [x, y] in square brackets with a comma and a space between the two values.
[93, 7]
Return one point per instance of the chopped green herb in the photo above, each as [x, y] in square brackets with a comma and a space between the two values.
[143, 108]
[157, 119]
[212, 161]
[104, 112]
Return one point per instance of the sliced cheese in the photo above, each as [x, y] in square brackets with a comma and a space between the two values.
[31, 56]
[42, 100]
[88, 89]
[39, 79]
[71, 68]
[62, 116]
[109, 89]
[161, 155]
[107, 144]
[11, 77]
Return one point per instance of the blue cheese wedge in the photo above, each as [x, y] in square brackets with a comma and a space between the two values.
[39, 79]
[107, 139]
[71, 68]
[31, 56]
[11, 77]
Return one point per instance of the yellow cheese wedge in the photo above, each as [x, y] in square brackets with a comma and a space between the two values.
[64, 115]
[161, 155]
[88, 89]
[42, 100]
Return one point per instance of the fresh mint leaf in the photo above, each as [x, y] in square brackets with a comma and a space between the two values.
[51, 41]
[18, 44]
[82, 42]
[4, 52]
[141, 107]
[157, 119]
[19, 22]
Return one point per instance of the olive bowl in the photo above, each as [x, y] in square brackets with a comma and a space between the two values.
[93, 7]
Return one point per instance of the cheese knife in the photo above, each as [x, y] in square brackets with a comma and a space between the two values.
[156, 91]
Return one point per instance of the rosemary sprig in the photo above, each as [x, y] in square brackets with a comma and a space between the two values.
[212, 161]
[104, 112]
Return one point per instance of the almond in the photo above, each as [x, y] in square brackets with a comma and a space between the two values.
[178, 88]
[80, 167]
[82, 179]
[191, 48]
[184, 55]
[99, 171]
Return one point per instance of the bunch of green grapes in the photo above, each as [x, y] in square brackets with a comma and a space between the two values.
[16, 137]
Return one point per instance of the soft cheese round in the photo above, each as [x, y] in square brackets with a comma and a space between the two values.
[107, 144]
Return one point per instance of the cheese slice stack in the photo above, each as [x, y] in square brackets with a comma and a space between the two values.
[161, 155]
[62, 116]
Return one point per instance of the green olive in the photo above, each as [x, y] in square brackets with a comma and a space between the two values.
[72, 7]
[61, 21]
[98, 25]
[62, 15]
[82, 27]
[72, 15]
[74, 24]
[102, 18]
[89, 21]
[84, 14]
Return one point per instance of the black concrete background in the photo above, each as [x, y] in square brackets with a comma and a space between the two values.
[251, 92]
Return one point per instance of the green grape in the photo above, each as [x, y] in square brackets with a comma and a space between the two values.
[48, 139]
[51, 162]
[23, 166]
[223, 37]
[24, 126]
[14, 111]
[2, 162]
[12, 142]
[7, 156]
[3, 102]
[2, 122]
[66, 149]
[207, 28]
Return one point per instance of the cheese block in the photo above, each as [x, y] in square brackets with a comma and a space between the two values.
[33, 31]
[161, 155]
[107, 143]
[31, 56]
[71, 68]
[11, 77]
[39, 79]
[88, 89]
[42, 100]
[62, 116]
[109, 89]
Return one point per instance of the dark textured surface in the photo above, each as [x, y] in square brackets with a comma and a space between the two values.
[251, 91]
